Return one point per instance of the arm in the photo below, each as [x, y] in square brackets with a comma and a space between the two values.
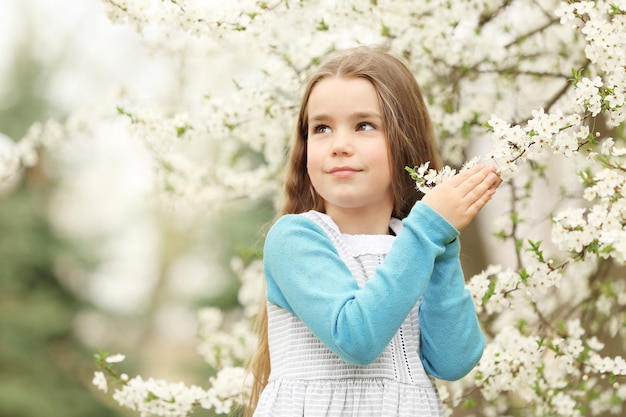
[451, 340]
[306, 276]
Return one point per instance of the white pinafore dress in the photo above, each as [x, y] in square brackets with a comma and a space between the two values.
[308, 379]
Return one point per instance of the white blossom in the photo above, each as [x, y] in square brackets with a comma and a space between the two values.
[228, 389]
[100, 381]
[155, 397]
[117, 358]
[509, 363]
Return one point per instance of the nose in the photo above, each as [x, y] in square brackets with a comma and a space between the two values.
[342, 143]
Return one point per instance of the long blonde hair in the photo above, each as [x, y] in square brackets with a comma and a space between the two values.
[411, 142]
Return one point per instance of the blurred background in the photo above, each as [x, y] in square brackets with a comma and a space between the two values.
[86, 261]
[89, 260]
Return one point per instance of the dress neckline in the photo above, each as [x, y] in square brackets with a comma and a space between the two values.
[362, 244]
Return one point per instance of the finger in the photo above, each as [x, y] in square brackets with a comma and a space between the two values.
[463, 176]
[479, 203]
[484, 176]
[487, 186]
[497, 184]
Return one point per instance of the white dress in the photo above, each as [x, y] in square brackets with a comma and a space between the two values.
[308, 379]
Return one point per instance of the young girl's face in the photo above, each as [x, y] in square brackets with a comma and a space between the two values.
[348, 157]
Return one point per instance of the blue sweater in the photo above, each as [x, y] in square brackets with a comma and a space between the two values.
[306, 276]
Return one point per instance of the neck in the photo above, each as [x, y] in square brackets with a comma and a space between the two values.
[361, 221]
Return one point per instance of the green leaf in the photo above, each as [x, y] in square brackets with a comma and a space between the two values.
[322, 26]
[523, 274]
[576, 76]
[180, 130]
[469, 403]
[385, 32]
[535, 247]
[151, 397]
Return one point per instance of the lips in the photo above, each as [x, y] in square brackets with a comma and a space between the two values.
[343, 171]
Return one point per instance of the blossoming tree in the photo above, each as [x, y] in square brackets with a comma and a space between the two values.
[535, 87]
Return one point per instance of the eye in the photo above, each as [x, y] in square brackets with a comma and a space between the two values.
[365, 126]
[321, 129]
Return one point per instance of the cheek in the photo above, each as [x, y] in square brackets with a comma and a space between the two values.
[312, 157]
[383, 161]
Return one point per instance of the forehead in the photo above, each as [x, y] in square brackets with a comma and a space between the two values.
[343, 95]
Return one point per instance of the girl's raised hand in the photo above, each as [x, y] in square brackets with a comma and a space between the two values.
[461, 197]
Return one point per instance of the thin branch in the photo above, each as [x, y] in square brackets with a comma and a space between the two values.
[533, 32]
[486, 18]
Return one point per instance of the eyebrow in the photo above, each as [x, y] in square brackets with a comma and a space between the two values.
[356, 115]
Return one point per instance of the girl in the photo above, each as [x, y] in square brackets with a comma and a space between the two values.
[365, 292]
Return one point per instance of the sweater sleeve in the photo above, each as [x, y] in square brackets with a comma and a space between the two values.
[451, 340]
[306, 276]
